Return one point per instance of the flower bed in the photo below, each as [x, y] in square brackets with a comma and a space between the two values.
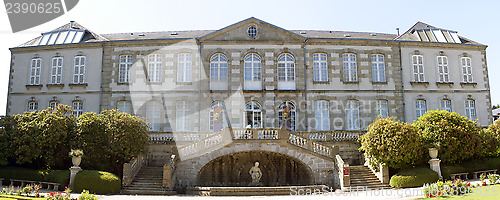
[447, 188]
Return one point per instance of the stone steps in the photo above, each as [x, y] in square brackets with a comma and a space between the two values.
[363, 178]
[148, 181]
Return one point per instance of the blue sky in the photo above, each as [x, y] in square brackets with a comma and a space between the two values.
[476, 20]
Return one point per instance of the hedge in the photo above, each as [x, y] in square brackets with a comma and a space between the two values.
[470, 167]
[413, 177]
[97, 182]
[21, 173]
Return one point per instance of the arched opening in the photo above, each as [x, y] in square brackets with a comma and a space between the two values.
[233, 170]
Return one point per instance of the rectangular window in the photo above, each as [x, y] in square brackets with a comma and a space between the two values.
[446, 105]
[154, 68]
[322, 115]
[126, 62]
[350, 67]
[182, 118]
[184, 67]
[378, 68]
[421, 107]
[320, 67]
[444, 74]
[56, 71]
[79, 70]
[418, 68]
[32, 106]
[53, 104]
[36, 67]
[466, 70]
[381, 109]
[352, 115]
[470, 109]
[154, 113]
[77, 108]
[125, 106]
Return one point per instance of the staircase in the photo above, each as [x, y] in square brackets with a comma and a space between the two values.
[362, 176]
[148, 181]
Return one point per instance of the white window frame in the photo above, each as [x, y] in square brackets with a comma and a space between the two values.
[352, 115]
[253, 68]
[420, 107]
[126, 62]
[77, 108]
[32, 106]
[466, 63]
[35, 70]
[253, 110]
[470, 109]
[320, 67]
[381, 108]
[56, 70]
[182, 118]
[350, 67]
[322, 115]
[79, 69]
[443, 69]
[125, 106]
[184, 67]
[418, 68]
[378, 68]
[218, 67]
[286, 67]
[292, 113]
[445, 104]
[154, 115]
[53, 103]
[154, 68]
[211, 114]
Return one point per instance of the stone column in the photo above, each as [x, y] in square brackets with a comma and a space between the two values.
[74, 170]
[434, 164]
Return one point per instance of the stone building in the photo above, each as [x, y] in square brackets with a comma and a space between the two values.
[252, 77]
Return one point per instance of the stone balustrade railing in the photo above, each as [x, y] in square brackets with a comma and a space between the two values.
[131, 169]
[169, 173]
[260, 134]
[333, 136]
[343, 171]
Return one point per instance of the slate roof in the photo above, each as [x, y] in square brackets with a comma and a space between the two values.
[409, 36]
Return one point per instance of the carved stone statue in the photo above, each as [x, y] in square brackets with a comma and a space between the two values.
[256, 174]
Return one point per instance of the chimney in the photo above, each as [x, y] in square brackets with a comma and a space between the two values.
[71, 24]
[397, 29]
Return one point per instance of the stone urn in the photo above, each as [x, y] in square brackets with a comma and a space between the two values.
[76, 160]
[433, 152]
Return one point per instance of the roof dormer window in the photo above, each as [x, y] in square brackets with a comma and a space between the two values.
[65, 36]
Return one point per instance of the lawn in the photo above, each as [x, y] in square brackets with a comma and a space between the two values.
[480, 193]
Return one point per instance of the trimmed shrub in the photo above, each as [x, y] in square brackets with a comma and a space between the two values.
[394, 143]
[20, 173]
[414, 177]
[58, 176]
[97, 182]
[458, 137]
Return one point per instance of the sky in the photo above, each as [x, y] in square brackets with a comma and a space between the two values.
[476, 20]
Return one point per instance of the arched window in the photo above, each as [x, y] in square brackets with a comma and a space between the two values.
[287, 115]
[77, 107]
[32, 106]
[125, 106]
[53, 103]
[253, 115]
[217, 116]
[218, 67]
[253, 74]
[286, 72]
[322, 115]
[352, 115]
[320, 67]
[470, 109]
[154, 113]
[446, 105]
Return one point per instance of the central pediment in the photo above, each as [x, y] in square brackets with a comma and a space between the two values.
[253, 29]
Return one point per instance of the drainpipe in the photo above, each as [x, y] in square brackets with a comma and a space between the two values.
[402, 79]
[305, 84]
[102, 71]
[199, 84]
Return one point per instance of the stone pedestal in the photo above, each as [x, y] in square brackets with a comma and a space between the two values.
[434, 164]
[74, 170]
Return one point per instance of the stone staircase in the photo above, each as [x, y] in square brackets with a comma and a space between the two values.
[148, 181]
[362, 176]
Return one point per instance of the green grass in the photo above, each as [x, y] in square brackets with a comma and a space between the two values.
[11, 197]
[97, 182]
[480, 193]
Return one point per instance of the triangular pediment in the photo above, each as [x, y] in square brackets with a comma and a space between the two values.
[265, 32]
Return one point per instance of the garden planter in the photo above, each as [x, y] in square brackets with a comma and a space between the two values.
[433, 152]
[76, 160]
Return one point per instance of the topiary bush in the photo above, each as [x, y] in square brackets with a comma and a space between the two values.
[413, 177]
[394, 143]
[20, 173]
[457, 136]
[97, 182]
[58, 176]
